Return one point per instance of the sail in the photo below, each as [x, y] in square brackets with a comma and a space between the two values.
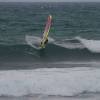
[46, 31]
[47, 27]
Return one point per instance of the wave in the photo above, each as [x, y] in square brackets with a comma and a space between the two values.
[65, 43]
[77, 42]
[92, 45]
[54, 81]
[56, 50]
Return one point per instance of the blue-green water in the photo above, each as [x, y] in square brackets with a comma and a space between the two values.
[75, 35]
[69, 20]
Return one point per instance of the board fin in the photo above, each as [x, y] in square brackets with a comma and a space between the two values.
[46, 32]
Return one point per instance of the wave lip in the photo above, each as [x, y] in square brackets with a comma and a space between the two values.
[92, 45]
[54, 81]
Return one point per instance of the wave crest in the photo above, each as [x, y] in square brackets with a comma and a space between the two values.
[92, 45]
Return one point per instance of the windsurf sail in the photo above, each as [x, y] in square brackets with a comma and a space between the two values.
[46, 32]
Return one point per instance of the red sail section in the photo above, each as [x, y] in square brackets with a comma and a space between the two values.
[47, 27]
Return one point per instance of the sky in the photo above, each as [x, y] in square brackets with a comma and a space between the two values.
[49, 0]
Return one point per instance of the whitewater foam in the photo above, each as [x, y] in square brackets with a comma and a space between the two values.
[69, 45]
[36, 40]
[54, 81]
[92, 45]
[32, 39]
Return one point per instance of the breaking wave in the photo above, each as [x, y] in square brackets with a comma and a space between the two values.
[92, 45]
[54, 81]
[62, 50]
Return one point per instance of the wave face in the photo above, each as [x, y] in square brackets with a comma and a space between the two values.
[56, 50]
[63, 82]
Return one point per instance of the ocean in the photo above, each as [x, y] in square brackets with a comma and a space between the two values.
[67, 69]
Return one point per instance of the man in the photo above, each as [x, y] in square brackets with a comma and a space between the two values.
[46, 41]
[43, 43]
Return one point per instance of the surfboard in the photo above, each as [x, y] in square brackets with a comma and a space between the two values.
[46, 32]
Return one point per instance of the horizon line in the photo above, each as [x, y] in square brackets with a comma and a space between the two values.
[48, 1]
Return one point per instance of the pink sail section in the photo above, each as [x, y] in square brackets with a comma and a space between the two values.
[47, 28]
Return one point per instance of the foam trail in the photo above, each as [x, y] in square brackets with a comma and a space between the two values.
[69, 45]
[92, 45]
[54, 81]
[36, 40]
[32, 39]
